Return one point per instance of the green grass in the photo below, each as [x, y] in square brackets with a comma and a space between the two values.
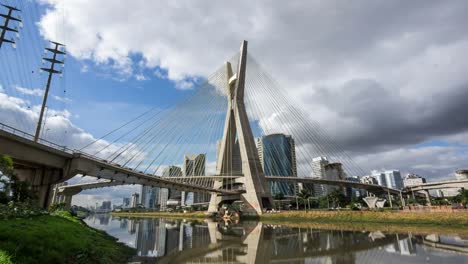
[440, 219]
[57, 239]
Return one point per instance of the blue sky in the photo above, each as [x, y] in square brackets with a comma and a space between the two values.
[388, 87]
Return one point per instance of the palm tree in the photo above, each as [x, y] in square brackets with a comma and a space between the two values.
[304, 196]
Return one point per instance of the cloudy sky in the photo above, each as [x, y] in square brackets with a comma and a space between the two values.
[386, 79]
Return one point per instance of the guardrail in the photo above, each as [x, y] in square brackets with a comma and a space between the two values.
[28, 136]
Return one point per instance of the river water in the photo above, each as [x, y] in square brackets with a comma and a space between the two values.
[179, 241]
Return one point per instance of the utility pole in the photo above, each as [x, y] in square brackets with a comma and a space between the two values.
[5, 25]
[51, 70]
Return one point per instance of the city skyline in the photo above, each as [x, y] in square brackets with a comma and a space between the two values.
[430, 145]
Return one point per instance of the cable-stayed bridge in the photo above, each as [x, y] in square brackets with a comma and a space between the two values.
[224, 122]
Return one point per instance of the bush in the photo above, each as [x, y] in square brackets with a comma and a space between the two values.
[5, 258]
[19, 210]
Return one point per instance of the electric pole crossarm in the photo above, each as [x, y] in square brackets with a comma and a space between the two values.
[8, 41]
[9, 29]
[56, 51]
[10, 17]
[5, 27]
[11, 7]
[51, 70]
[53, 60]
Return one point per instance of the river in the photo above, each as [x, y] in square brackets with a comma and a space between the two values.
[181, 241]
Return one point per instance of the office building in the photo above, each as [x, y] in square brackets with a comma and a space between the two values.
[135, 200]
[149, 196]
[353, 192]
[167, 196]
[107, 205]
[278, 158]
[126, 202]
[413, 179]
[323, 169]
[194, 165]
[389, 178]
[368, 179]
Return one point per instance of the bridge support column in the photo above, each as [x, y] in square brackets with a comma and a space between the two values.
[402, 200]
[428, 197]
[215, 199]
[389, 198]
[41, 181]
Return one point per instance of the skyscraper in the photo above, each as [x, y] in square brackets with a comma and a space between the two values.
[165, 194]
[126, 202]
[194, 165]
[323, 169]
[277, 155]
[135, 200]
[389, 178]
[413, 179]
[149, 196]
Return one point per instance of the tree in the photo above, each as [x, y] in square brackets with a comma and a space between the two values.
[337, 198]
[6, 173]
[304, 196]
[462, 197]
[278, 197]
[20, 191]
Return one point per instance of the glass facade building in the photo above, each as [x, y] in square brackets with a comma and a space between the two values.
[278, 158]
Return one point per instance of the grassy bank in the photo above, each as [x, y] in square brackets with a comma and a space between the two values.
[438, 219]
[189, 215]
[57, 239]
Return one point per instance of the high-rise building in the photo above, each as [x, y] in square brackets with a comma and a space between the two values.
[353, 192]
[135, 200]
[126, 202]
[380, 177]
[323, 169]
[107, 205]
[318, 171]
[277, 155]
[413, 179]
[368, 179]
[389, 178]
[194, 165]
[166, 195]
[149, 196]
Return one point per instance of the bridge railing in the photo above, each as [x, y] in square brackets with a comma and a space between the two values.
[28, 136]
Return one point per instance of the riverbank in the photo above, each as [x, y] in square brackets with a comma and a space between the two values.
[57, 239]
[188, 215]
[459, 219]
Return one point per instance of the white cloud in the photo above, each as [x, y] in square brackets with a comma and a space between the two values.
[377, 76]
[140, 77]
[57, 128]
[84, 68]
[62, 99]
[27, 91]
[434, 162]
[161, 75]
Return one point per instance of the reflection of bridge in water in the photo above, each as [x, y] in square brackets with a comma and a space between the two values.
[174, 241]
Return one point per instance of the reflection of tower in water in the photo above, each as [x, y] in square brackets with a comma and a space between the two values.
[146, 238]
[132, 226]
[160, 233]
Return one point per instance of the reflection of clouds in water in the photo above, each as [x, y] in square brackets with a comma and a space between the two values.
[207, 241]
